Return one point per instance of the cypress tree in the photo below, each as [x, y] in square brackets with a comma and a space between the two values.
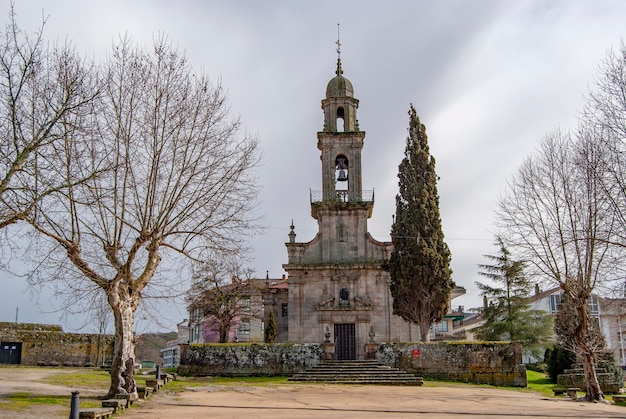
[419, 265]
[271, 330]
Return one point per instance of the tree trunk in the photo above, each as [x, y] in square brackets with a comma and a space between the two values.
[587, 355]
[123, 304]
[424, 330]
[593, 390]
[224, 333]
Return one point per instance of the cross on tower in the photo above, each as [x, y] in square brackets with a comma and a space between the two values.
[338, 43]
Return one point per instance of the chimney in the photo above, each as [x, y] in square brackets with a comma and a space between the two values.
[537, 290]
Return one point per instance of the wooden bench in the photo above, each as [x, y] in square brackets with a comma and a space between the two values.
[104, 412]
[128, 398]
[166, 377]
[619, 399]
[571, 391]
[155, 384]
[144, 391]
[116, 404]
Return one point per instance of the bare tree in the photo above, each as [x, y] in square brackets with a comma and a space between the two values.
[180, 181]
[556, 215]
[223, 293]
[43, 93]
[605, 116]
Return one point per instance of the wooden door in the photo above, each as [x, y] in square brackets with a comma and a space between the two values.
[345, 341]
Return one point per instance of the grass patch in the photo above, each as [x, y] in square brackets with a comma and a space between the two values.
[24, 399]
[89, 378]
[537, 382]
[540, 382]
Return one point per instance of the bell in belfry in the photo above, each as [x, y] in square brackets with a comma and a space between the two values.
[343, 176]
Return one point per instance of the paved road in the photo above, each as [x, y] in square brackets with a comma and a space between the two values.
[340, 401]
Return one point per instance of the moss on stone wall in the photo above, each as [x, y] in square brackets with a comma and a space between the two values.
[496, 363]
[49, 345]
[249, 359]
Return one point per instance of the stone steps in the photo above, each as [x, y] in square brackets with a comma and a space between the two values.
[357, 372]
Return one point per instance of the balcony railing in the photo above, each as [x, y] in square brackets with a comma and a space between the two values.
[342, 196]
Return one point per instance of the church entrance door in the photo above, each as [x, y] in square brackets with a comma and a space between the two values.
[345, 341]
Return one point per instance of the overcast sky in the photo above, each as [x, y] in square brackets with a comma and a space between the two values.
[487, 78]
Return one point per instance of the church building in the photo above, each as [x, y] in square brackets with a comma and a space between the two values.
[338, 290]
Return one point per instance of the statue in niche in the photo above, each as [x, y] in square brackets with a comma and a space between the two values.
[344, 297]
[341, 233]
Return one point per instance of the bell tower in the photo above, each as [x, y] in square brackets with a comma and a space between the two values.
[340, 142]
[338, 291]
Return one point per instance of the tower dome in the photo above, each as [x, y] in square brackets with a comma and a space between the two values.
[339, 86]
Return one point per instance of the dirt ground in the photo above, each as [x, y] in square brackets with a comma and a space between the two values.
[345, 401]
[319, 401]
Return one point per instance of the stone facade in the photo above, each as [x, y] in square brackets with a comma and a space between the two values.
[41, 344]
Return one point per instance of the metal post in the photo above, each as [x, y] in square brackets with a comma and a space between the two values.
[74, 405]
[158, 372]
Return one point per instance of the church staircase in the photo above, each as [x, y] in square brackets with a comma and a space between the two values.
[357, 372]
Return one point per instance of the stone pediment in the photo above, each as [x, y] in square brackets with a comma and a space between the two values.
[327, 303]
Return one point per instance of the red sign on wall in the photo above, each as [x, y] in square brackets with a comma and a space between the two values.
[415, 353]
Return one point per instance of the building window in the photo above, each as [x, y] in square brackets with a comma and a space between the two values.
[594, 307]
[244, 327]
[442, 327]
[285, 310]
[555, 299]
[196, 314]
[246, 304]
[196, 334]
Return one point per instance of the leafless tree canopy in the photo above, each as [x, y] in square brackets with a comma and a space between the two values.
[174, 176]
[45, 92]
[605, 117]
[220, 289]
[565, 207]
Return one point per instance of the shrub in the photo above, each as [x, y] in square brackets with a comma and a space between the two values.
[558, 359]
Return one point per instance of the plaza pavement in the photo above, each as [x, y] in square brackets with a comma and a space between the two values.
[360, 401]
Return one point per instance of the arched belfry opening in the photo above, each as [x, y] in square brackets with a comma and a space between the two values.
[341, 124]
[341, 173]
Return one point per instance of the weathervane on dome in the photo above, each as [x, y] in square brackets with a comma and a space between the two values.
[338, 44]
[339, 71]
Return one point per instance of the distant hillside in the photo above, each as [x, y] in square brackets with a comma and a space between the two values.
[149, 344]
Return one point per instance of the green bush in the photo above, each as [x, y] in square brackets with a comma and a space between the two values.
[558, 359]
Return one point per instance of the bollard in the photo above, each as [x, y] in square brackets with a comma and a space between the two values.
[74, 405]
[158, 372]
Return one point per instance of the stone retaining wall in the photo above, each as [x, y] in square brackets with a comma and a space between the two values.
[43, 344]
[496, 363]
[251, 359]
